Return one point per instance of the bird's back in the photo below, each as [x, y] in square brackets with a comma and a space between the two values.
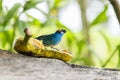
[52, 39]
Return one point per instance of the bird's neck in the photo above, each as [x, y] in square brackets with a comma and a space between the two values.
[58, 35]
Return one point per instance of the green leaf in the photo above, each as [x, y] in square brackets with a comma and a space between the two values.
[31, 4]
[21, 26]
[107, 41]
[80, 45]
[5, 37]
[119, 50]
[110, 57]
[0, 6]
[69, 40]
[36, 23]
[61, 3]
[57, 3]
[118, 55]
[102, 17]
[11, 13]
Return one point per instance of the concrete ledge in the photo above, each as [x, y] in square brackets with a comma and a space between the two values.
[20, 67]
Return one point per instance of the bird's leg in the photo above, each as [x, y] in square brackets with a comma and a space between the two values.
[45, 48]
[54, 48]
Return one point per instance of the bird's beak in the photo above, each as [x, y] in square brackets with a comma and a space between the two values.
[64, 31]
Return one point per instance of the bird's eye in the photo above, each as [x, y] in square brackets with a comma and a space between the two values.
[62, 32]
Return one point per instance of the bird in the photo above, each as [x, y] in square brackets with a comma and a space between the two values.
[53, 39]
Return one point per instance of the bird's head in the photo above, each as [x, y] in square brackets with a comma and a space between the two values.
[61, 31]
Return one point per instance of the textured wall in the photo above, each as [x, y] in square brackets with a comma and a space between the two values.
[19, 67]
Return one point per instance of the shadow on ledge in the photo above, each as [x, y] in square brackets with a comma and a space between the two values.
[20, 67]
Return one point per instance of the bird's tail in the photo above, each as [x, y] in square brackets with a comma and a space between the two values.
[38, 38]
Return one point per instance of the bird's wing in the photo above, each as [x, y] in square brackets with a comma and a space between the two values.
[45, 37]
[41, 37]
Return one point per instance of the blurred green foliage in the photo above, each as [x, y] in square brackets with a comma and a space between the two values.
[104, 49]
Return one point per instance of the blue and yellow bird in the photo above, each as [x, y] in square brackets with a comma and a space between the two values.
[53, 39]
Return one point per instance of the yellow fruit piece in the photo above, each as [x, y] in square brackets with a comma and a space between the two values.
[35, 48]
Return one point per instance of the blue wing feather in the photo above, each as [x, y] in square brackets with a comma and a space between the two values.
[51, 39]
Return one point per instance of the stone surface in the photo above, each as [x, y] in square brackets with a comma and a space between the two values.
[20, 67]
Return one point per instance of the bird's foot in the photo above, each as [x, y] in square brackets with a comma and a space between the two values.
[66, 51]
[54, 48]
[46, 48]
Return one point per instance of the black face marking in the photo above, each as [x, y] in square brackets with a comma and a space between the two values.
[61, 31]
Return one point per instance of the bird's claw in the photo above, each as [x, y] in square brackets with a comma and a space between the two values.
[55, 48]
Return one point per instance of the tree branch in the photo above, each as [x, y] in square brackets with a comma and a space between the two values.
[116, 6]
